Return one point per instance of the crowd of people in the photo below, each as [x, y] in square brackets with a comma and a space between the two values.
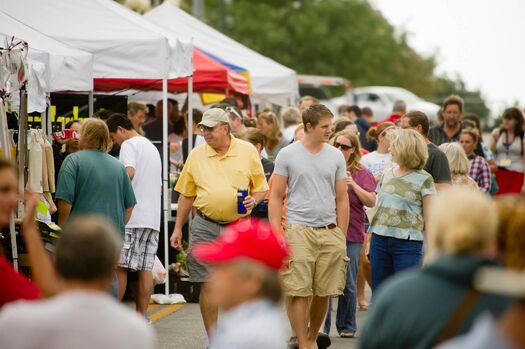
[398, 204]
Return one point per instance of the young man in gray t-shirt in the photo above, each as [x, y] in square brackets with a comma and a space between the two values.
[317, 214]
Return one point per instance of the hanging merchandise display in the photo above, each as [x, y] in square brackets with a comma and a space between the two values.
[13, 78]
[13, 69]
[40, 166]
[33, 152]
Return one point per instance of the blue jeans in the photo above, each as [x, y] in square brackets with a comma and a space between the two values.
[346, 306]
[389, 255]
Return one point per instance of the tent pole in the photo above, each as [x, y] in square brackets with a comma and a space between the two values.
[190, 107]
[190, 113]
[165, 180]
[91, 104]
[49, 127]
[22, 148]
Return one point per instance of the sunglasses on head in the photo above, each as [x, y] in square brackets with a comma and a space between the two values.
[342, 146]
[233, 111]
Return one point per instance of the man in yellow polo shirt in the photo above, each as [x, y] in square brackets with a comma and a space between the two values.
[209, 181]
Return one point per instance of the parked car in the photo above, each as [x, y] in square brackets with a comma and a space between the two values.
[381, 100]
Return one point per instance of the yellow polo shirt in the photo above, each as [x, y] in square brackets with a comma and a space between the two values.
[213, 179]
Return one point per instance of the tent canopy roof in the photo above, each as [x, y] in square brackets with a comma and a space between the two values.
[270, 81]
[122, 43]
[209, 75]
[67, 69]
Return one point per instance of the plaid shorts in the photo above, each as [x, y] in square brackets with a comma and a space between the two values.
[139, 250]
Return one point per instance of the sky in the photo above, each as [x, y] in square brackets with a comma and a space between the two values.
[481, 40]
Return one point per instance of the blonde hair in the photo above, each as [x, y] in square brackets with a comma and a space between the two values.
[94, 134]
[472, 132]
[409, 148]
[275, 135]
[511, 240]
[353, 164]
[461, 221]
[134, 107]
[457, 159]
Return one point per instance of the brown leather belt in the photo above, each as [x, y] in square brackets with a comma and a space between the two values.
[206, 218]
[329, 226]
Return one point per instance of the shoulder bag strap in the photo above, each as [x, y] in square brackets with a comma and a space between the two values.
[457, 319]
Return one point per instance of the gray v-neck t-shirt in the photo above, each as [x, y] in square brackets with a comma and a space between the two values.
[311, 183]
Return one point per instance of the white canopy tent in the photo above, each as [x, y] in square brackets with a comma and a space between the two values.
[270, 81]
[122, 48]
[67, 68]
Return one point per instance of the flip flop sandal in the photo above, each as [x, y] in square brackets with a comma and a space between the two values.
[346, 335]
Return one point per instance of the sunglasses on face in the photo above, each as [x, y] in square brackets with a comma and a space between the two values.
[342, 146]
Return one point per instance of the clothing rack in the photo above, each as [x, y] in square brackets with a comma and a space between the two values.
[14, 67]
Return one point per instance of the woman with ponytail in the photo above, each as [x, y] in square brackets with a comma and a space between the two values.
[419, 309]
[379, 159]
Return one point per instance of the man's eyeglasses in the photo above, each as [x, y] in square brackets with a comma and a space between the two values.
[343, 146]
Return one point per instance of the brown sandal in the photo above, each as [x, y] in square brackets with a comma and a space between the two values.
[346, 335]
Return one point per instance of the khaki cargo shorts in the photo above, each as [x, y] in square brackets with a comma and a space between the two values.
[318, 262]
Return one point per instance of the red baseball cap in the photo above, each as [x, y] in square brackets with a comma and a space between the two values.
[249, 238]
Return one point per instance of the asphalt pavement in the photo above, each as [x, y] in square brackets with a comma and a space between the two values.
[180, 326]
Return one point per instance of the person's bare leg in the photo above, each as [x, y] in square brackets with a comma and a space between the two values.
[122, 276]
[364, 274]
[144, 289]
[318, 309]
[298, 314]
[209, 310]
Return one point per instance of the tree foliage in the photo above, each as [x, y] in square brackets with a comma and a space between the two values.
[346, 38]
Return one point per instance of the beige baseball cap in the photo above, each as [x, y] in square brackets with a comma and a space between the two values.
[500, 281]
[214, 116]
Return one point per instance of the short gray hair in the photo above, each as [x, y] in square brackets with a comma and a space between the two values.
[291, 115]
[457, 159]
[88, 249]
[270, 287]
[399, 106]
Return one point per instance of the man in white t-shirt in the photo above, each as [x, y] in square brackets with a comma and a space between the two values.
[142, 162]
[83, 315]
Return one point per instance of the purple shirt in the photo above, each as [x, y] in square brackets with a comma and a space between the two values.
[356, 226]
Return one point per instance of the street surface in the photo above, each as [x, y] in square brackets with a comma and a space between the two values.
[180, 327]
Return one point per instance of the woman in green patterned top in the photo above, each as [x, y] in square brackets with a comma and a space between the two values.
[403, 198]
